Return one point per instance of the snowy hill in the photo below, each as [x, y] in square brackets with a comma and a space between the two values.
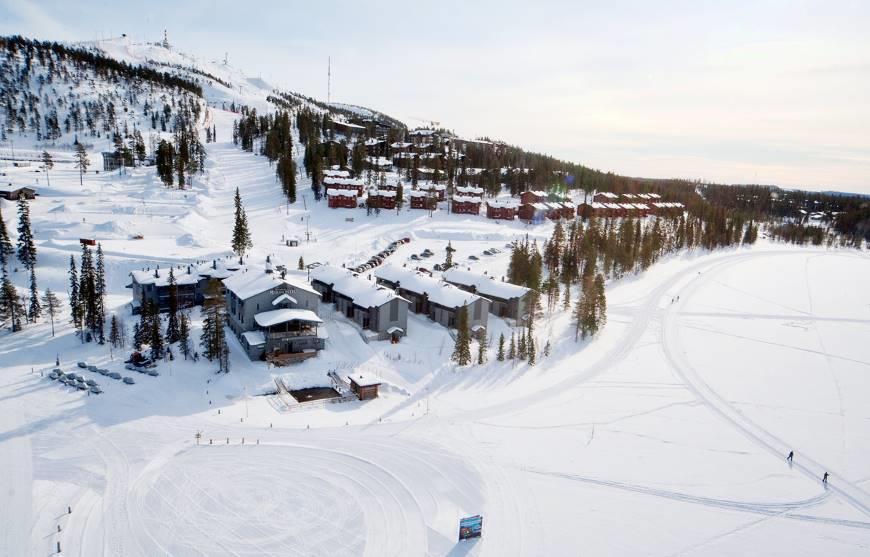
[664, 434]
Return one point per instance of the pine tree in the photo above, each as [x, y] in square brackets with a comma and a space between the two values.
[512, 350]
[87, 292]
[52, 305]
[100, 296]
[164, 160]
[114, 332]
[241, 236]
[500, 354]
[213, 338]
[462, 348]
[600, 302]
[81, 161]
[184, 334]
[156, 329]
[448, 259]
[26, 246]
[531, 349]
[547, 348]
[173, 332]
[522, 346]
[34, 306]
[74, 299]
[301, 265]
[224, 360]
[6, 249]
[481, 349]
[47, 164]
[11, 308]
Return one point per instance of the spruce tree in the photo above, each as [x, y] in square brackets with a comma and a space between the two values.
[241, 235]
[6, 249]
[522, 346]
[26, 246]
[212, 338]
[600, 302]
[11, 308]
[462, 348]
[47, 164]
[184, 334]
[173, 332]
[512, 350]
[500, 354]
[301, 265]
[531, 350]
[448, 259]
[52, 305]
[74, 299]
[114, 332]
[87, 292]
[100, 295]
[34, 305]
[81, 161]
[481, 349]
[156, 330]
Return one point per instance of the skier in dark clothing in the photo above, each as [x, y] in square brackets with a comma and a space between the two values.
[825, 479]
[790, 456]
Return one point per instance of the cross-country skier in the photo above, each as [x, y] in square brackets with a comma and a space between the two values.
[790, 456]
[825, 479]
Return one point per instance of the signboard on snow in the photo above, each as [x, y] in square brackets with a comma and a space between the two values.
[470, 527]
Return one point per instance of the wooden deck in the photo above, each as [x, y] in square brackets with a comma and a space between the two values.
[287, 358]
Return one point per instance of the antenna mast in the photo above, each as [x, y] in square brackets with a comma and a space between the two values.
[329, 80]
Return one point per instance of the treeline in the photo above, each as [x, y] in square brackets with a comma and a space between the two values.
[105, 67]
[184, 155]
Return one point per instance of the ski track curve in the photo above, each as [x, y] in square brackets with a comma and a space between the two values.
[672, 348]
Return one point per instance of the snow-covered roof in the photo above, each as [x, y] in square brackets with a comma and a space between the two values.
[537, 193]
[8, 187]
[418, 193]
[379, 161]
[382, 193]
[364, 293]
[400, 145]
[423, 133]
[276, 316]
[503, 203]
[363, 379]
[255, 281]
[349, 125]
[470, 190]
[341, 193]
[438, 292]
[337, 181]
[486, 285]
[668, 205]
[430, 186]
[608, 195]
[372, 142]
[336, 173]
[466, 199]
[218, 268]
[160, 277]
[254, 338]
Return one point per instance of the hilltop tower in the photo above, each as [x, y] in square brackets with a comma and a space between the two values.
[165, 39]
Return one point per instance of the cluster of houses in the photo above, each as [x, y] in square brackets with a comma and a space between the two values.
[276, 314]
[608, 204]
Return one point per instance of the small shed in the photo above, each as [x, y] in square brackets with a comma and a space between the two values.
[364, 385]
[12, 193]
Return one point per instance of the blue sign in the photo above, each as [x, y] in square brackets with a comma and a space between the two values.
[470, 527]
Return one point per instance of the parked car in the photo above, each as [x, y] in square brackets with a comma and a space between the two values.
[75, 377]
[115, 375]
[82, 365]
[92, 368]
[96, 390]
[91, 383]
[474, 258]
[415, 257]
[487, 252]
[53, 375]
[437, 267]
[153, 373]
[406, 240]
[313, 265]
[82, 387]
[129, 380]
[131, 367]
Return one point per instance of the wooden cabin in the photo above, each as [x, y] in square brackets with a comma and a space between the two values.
[466, 204]
[501, 209]
[364, 385]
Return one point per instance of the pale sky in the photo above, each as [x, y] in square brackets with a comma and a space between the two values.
[736, 92]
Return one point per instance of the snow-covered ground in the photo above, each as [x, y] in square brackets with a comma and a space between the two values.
[665, 435]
